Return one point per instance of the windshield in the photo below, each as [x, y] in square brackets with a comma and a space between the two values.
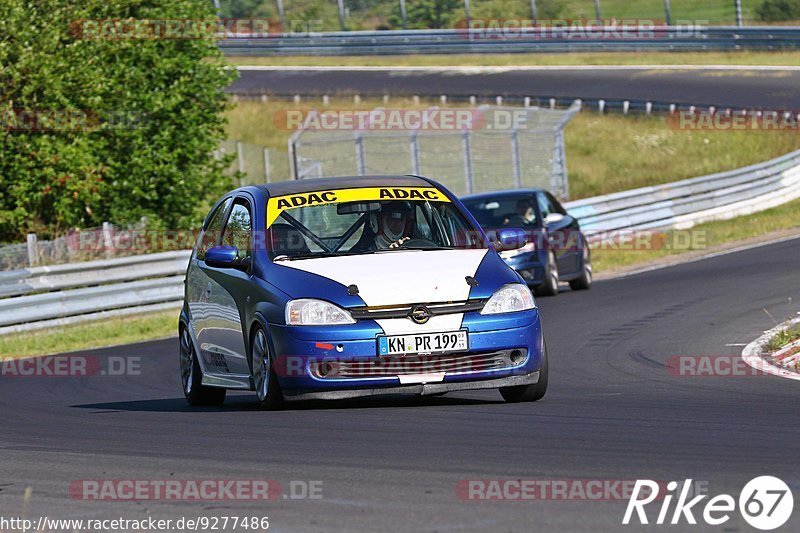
[361, 221]
[506, 211]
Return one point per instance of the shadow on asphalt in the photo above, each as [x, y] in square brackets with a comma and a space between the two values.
[246, 403]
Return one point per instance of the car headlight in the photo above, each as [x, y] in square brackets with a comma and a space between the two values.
[310, 312]
[510, 298]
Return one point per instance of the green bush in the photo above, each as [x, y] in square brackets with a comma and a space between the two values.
[429, 14]
[156, 164]
[778, 10]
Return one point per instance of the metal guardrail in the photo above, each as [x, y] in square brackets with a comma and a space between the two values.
[81, 292]
[684, 203]
[59, 277]
[459, 41]
[98, 289]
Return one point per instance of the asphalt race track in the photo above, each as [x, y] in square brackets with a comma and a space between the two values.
[613, 412]
[763, 89]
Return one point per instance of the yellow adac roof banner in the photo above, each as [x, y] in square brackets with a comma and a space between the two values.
[278, 204]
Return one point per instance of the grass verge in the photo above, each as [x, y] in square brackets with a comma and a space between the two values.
[785, 337]
[108, 332]
[532, 59]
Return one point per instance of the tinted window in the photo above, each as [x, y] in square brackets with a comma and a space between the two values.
[555, 207]
[213, 229]
[238, 229]
[513, 211]
[545, 207]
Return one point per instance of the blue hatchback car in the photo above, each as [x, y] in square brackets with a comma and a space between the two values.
[355, 286]
[556, 249]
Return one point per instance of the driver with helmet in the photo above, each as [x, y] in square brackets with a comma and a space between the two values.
[395, 225]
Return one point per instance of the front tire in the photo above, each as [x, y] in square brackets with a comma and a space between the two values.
[195, 392]
[584, 282]
[532, 392]
[268, 390]
[549, 286]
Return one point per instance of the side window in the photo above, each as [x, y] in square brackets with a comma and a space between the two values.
[555, 207]
[238, 229]
[544, 205]
[423, 227]
[212, 231]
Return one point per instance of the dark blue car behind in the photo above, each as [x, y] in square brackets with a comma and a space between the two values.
[556, 250]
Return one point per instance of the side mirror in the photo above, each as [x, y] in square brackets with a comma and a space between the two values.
[510, 239]
[553, 218]
[225, 257]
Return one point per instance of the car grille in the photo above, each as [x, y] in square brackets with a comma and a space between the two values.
[404, 311]
[418, 364]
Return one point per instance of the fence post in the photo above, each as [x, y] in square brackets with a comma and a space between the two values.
[467, 152]
[108, 241]
[266, 164]
[533, 9]
[597, 10]
[515, 159]
[341, 14]
[466, 12]
[240, 159]
[361, 166]
[33, 249]
[668, 12]
[294, 169]
[281, 16]
[403, 13]
[739, 19]
[414, 149]
[558, 178]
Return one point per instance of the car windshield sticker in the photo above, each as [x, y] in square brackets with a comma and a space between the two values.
[279, 204]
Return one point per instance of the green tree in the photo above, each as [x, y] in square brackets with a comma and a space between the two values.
[432, 14]
[246, 8]
[157, 163]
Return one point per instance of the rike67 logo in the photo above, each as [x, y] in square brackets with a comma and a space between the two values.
[765, 503]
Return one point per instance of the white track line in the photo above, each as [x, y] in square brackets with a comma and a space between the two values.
[515, 68]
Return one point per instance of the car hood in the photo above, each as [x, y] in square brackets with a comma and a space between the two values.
[400, 277]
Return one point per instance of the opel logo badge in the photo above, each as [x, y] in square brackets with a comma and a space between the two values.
[420, 314]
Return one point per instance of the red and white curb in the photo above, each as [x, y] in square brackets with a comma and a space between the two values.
[754, 353]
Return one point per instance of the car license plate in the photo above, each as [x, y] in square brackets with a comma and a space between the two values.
[453, 341]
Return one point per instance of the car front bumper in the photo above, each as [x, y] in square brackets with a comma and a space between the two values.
[504, 350]
[529, 265]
